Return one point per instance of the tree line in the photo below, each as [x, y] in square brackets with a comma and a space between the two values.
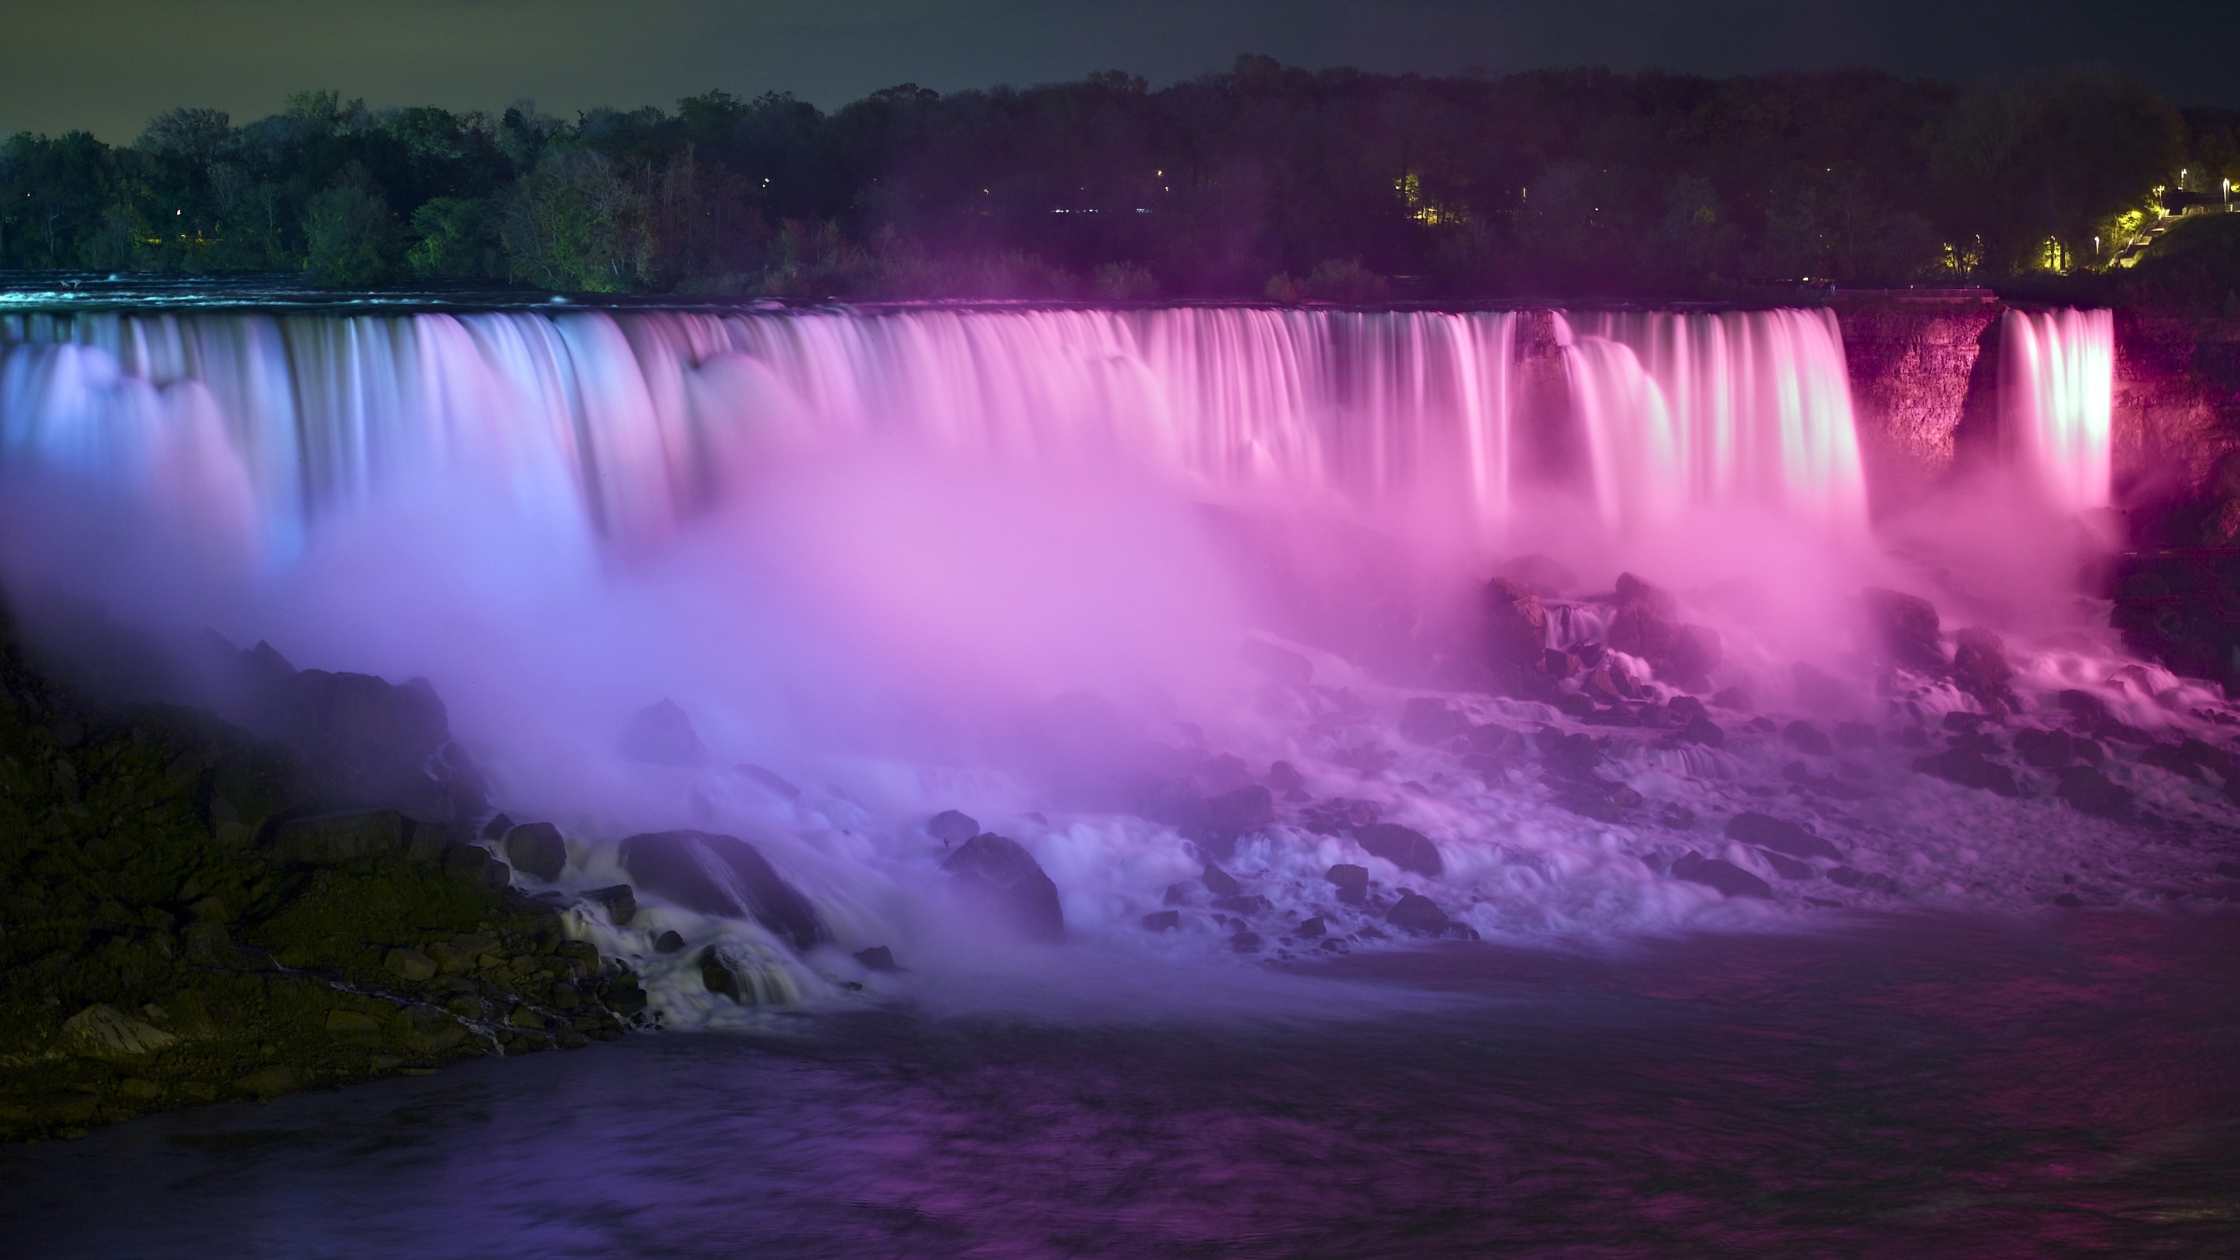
[1266, 181]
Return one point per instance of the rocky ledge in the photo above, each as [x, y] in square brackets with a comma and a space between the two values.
[193, 912]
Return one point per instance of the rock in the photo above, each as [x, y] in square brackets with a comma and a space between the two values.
[2090, 792]
[2086, 707]
[1404, 847]
[1767, 832]
[1682, 655]
[1849, 878]
[1243, 903]
[625, 999]
[333, 839]
[497, 827]
[952, 827]
[1806, 738]
[538, 849]
[270, 1082]
[2047, 750]
[1718, 873]
[620, 900]
[2167, 757]
[1162, 921]
[1786, 867]
[661, 735]
[768, 780]
[1000, 881]
[668, 943]
[1245, 942]
[720, 875]
[1540, 575]
[1854, 735]
[354, 1025]
[1220, 882]
[1285, 778]
[1905, 627]
[473, 864]
[1516, 626]
[1678, 817]
[411, 964]
[425, 842]
[2069, 901]
[101, 1031]
[1704, 731]
[1419, 914]
[1497, 741]
[1352, 882]
[1967, 767]
[1979, 666]
[1217, 822]
[1430, 720]
[523, 1017]
[877, 958]
[1311, 928]
[371, 742]
[719, 975]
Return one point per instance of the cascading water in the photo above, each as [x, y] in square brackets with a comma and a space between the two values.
[2056, 385]
[852, 546]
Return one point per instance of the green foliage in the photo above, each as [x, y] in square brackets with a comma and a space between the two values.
[578, 222]
[455, 237]
[350, 237]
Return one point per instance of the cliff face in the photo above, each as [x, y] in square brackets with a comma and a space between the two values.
[2177, 406]
[1915, 366]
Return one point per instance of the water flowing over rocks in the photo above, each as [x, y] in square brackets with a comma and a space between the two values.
[996, 879]
[720, 875]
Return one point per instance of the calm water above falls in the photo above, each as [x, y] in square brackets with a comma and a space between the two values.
[1902, 1087]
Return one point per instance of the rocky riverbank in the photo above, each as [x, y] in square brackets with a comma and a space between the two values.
[193, 912]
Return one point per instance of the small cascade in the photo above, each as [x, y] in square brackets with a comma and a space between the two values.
[2056, 390]
[1703, 409]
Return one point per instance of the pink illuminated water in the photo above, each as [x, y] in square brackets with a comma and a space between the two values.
[2057, 371]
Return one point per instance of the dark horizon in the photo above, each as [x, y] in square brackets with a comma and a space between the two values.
[108, 66]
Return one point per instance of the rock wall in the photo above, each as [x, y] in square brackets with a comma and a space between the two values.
[1918, 369]
[2177, 405]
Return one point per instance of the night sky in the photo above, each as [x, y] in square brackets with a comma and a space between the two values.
[107, 65]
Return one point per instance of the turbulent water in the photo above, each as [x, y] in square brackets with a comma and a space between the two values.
[865, 550]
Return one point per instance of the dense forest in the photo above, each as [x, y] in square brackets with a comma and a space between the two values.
[1266, 181]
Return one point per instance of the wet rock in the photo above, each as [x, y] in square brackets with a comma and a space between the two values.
[1575, 754]
[1245, 942]
[720, 875]
[1516, 625]
[953, 827]
[370, 742]
[1162, 921]
[1178, 894]
[1243, 903]
[2086, 707]
[1430, 720]
[1968, 768]
[1862, 881]
[1285, 778]
[668, 943]
[1352, 882]
[497, 827]
[2090, 792]
[1498, 742]
[411, 965]
[333, 839]
[1216, 823]
[1000, 882]
[1338, 815]
[353, 1025]
[661, 735]
[2167, 757]
[1220, 882]
[1575, 705]
[1404, 847]
[1780, 835]
[1806, 738]
[537, 849]
[2209, 756]
[1645, 626]
[619, 900]
[473, 864]
[1540, 575]
[1720, 874]
[1785, 867]
[625, 999]
[877, 958]
[101, 1031]
[1854, 735]
[721, 976]
[1980, 668]
[2047, 750]
[1678, 817]
[1418, 914]
[768, 780]
[1704, 731]
[1309, 929]
[1906, 628]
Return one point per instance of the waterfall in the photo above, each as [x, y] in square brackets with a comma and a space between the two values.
[2056, 389]
[1704, 409]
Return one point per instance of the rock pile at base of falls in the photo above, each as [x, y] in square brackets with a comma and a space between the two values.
[998, 882]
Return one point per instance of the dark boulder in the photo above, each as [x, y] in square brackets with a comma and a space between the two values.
[1245, 942]
[1000, 882]
[1429, 720]
[1285, 778]
[1767, 832]
[2048, 750]
[720, 875]
[1645, 626]
[1718, 873]
[2169, 757]
[2090, 792]
[1574, 754]
[538, 849]
[1862, 881]
[1906, 629]
[1807, 738]
[371, 742]
[1980, 668]
[2085, 707]
[1704, 731]
[1215, 822]
[1967, 767]
[668, 943]
[619, 900]
[1404, 847]
[1220, 882]
[877, 958]
[333, 839]
[1419, 914]
[768, 780]
[953, 827]
[497, 827]
[1516, 626]
[1162, 921]
[661, 735]
[1308, 929]
[474, 865]
[1351, 881]
[722, 976]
